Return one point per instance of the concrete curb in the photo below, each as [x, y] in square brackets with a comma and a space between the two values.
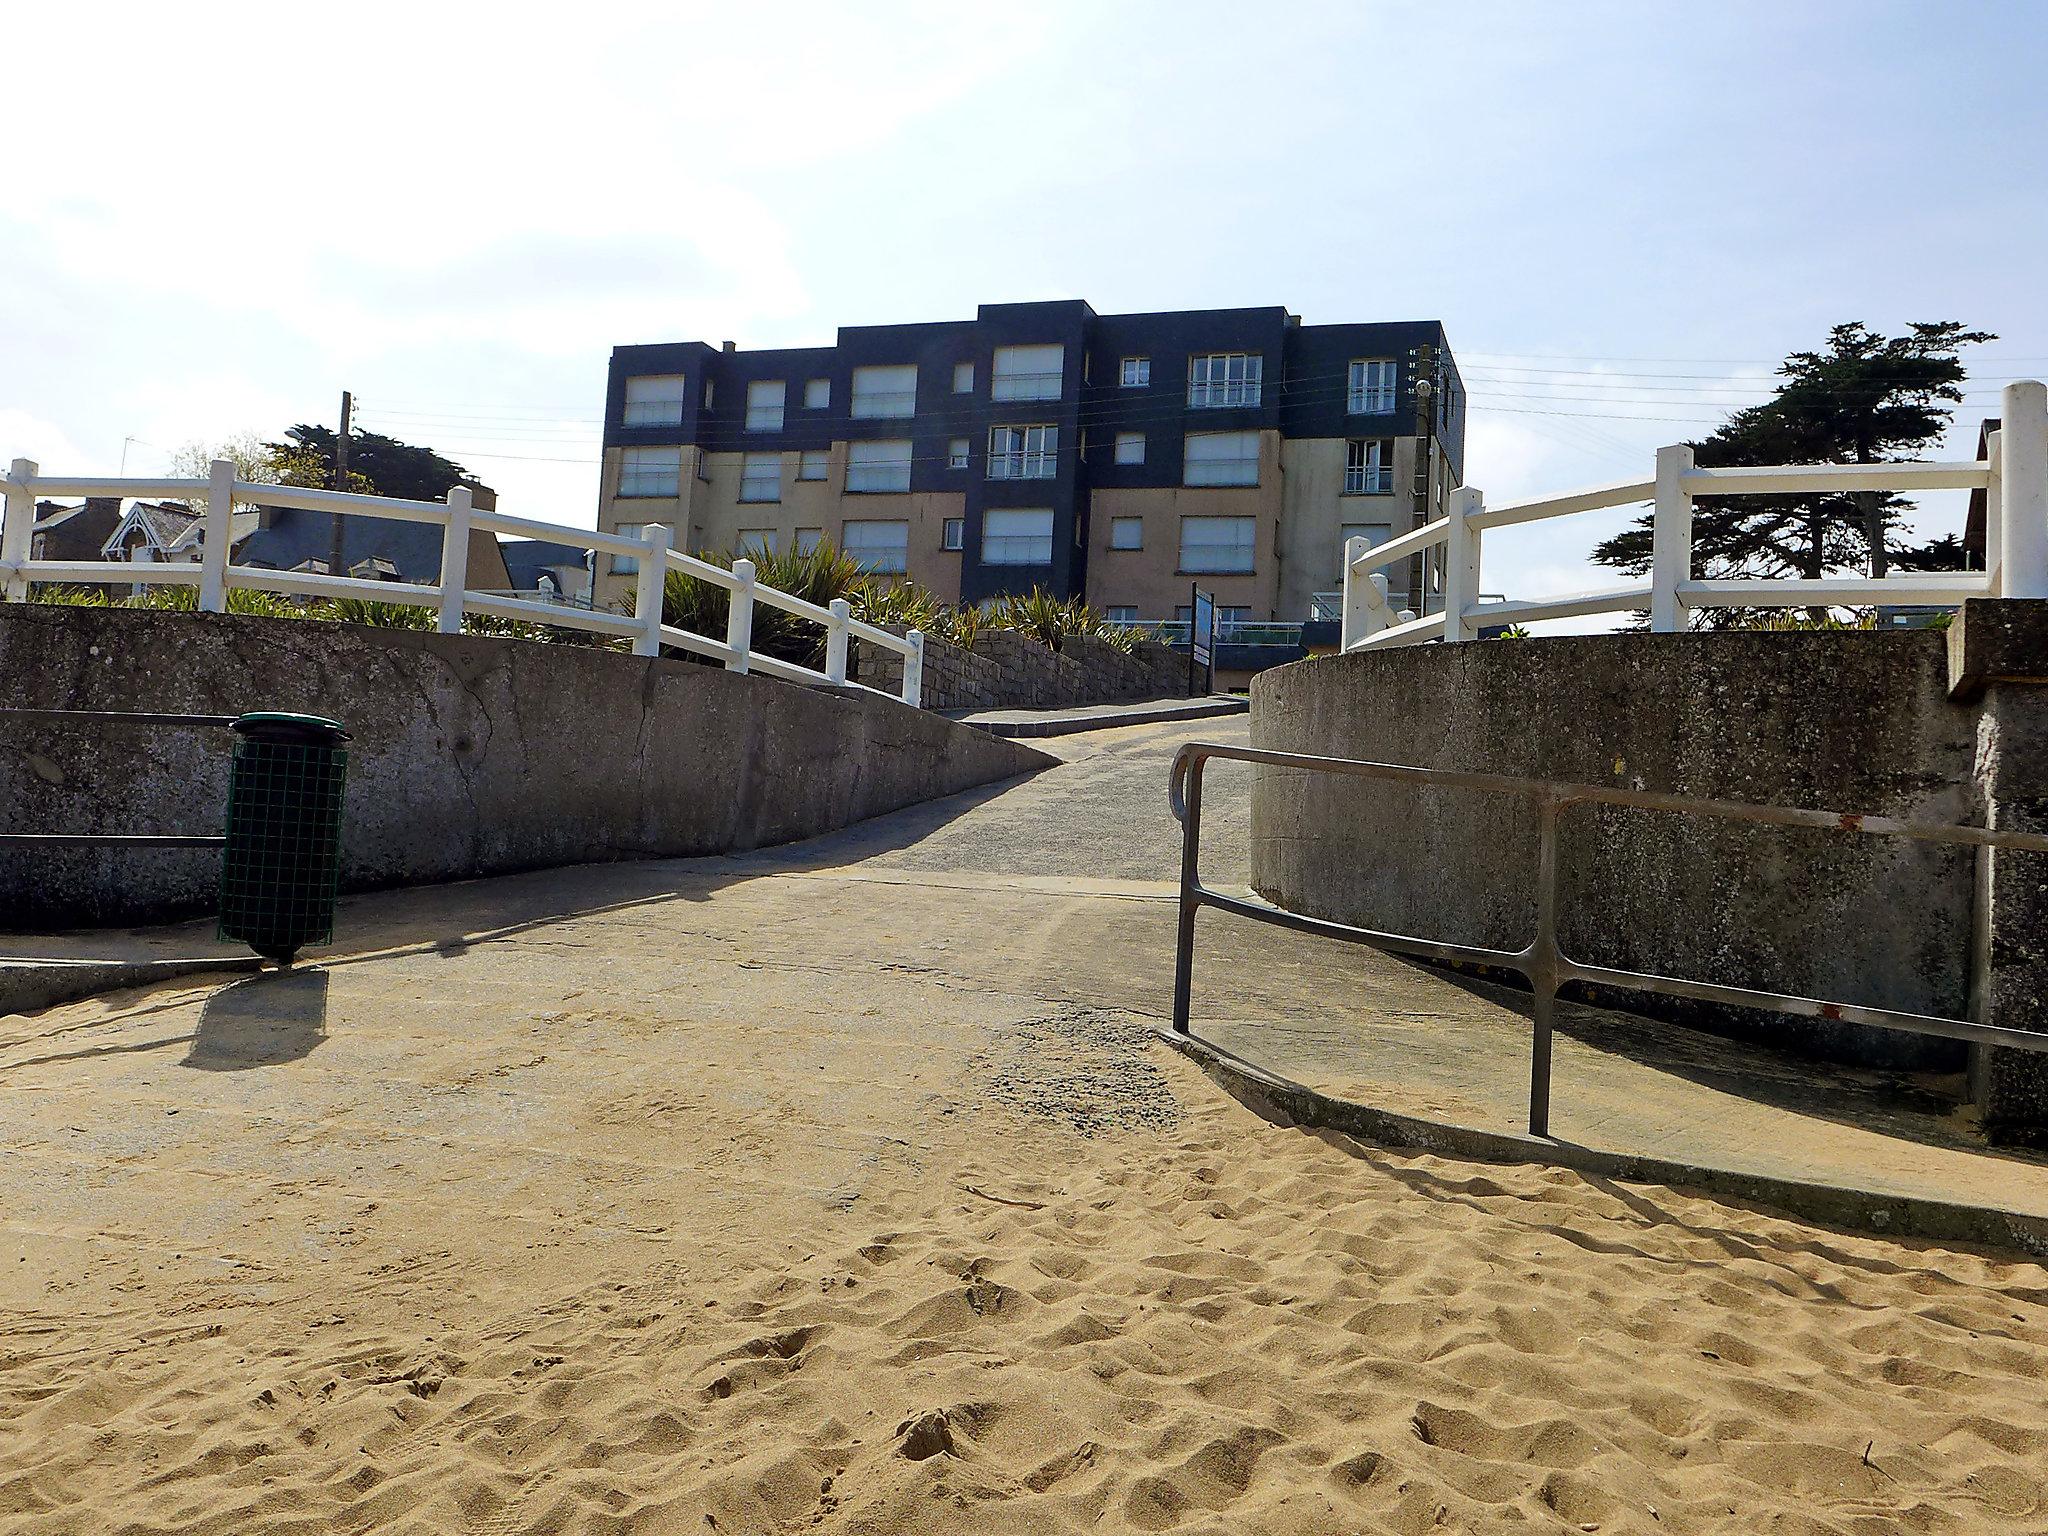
[29, 985]
[1881, 1213]
[1068, 725]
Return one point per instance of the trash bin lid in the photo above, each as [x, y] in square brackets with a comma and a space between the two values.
[290, 729]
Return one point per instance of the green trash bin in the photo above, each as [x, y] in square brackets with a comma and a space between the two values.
[282, 858]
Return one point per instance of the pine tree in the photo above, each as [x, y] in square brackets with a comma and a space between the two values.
[1866, 399]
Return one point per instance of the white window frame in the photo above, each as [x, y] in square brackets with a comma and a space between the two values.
[1369, 466]
[1123, 615]
[1027, 383]
[871, 474]
[963, 378]
[1223, 380]
[761, 477]
[1134, 526]
[1024, 452]
[765, 401]
[817, 394]
[1239, 470]
[895, 559]
[814, 464]
[1373, 385]
[953, 534]
[808, 539]
[764, 541]
[1001, 544]
[640, 467]
[957, 452]
[891, 392]
[1238, 555]
[1136, 373]
[1130, 447]
[654, 409]
[628, 565]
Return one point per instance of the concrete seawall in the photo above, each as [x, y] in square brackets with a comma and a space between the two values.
[470, 756]
[1856, 721]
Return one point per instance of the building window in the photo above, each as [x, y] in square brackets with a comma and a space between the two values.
[709, 394]
[1124, 615]
[1374, 534]
[963, 378]
[878, 546]
[1130, 447]
[1225, 378]
[1016, 536]
[808, 540]
[1023, 453]
[954, 535]
[812, 464]
[650, 471]
[817, 394]
[761, 477]
[764, 405]
[1369, 466]
[755, 543]
[1127, 533]
[1027, 373]
[627, 565]
[654, 400]
[878, 466]
[956, 453]
[1221, 458]
[885, 391]
[1371, 392]
[1137, 373]
[1217, 545]
[1228, 620]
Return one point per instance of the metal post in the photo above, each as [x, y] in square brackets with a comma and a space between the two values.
[647, 590]
[835, 641]
[2023, 489]
[739, 618]
[1543, 966]
[1461, 564]
[1670, 540]
[913, 670]
[1190, 880]
[17, 537]
[455, 558]
[217, 537]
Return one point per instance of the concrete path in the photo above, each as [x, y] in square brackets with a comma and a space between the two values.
[1097, 717]
[1049, 895]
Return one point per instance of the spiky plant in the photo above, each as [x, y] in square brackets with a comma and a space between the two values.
[376, 611]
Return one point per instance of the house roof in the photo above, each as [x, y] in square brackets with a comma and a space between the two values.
[525, 559]
[163, 523]
[1973, 525]
[295, 536]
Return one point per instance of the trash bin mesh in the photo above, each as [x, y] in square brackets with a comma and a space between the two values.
[282, 861]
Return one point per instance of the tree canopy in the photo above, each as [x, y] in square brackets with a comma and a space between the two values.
[386, 466]
[1865, 399]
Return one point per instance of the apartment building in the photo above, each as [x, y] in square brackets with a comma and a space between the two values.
[1116, 457]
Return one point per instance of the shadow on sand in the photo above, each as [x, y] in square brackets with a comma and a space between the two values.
[268, 1020]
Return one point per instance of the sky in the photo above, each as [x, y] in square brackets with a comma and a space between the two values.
[217, 218]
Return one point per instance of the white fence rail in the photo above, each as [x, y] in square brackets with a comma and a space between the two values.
[213, 573]
[2014, 476]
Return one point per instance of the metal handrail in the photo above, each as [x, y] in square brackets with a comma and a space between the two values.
[1541, 961]
[115, 717]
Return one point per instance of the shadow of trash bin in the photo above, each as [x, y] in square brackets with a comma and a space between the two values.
[266, 1021]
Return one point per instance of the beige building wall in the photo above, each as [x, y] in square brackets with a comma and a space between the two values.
[1150, 579]
[1314, 510]
[708, 515]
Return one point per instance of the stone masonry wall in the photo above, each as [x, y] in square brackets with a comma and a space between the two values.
[1008, 670]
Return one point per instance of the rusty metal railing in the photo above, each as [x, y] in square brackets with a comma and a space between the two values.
[1545, 966]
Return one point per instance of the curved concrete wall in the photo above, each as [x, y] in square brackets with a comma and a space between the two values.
[1855, 721]
[470, 756]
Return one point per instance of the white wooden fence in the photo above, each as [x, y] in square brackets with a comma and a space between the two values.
[213, 572]
[2014, 475]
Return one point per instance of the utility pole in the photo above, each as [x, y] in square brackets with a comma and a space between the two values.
[1421, 479]
[348, 407]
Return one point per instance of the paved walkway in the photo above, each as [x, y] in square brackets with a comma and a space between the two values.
[1055, 892]
[1097, 717]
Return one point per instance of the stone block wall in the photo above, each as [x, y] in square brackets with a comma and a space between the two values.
[1008, 670]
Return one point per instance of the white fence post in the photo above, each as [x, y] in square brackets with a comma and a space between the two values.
[1670, 540]
[1356, 614]
[217, 539]
[455, 558]
[2023, 490]
[1461, 564]
[739, 619]
[647, 590]
[17, 537]
[913, 670]
[835, 641]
